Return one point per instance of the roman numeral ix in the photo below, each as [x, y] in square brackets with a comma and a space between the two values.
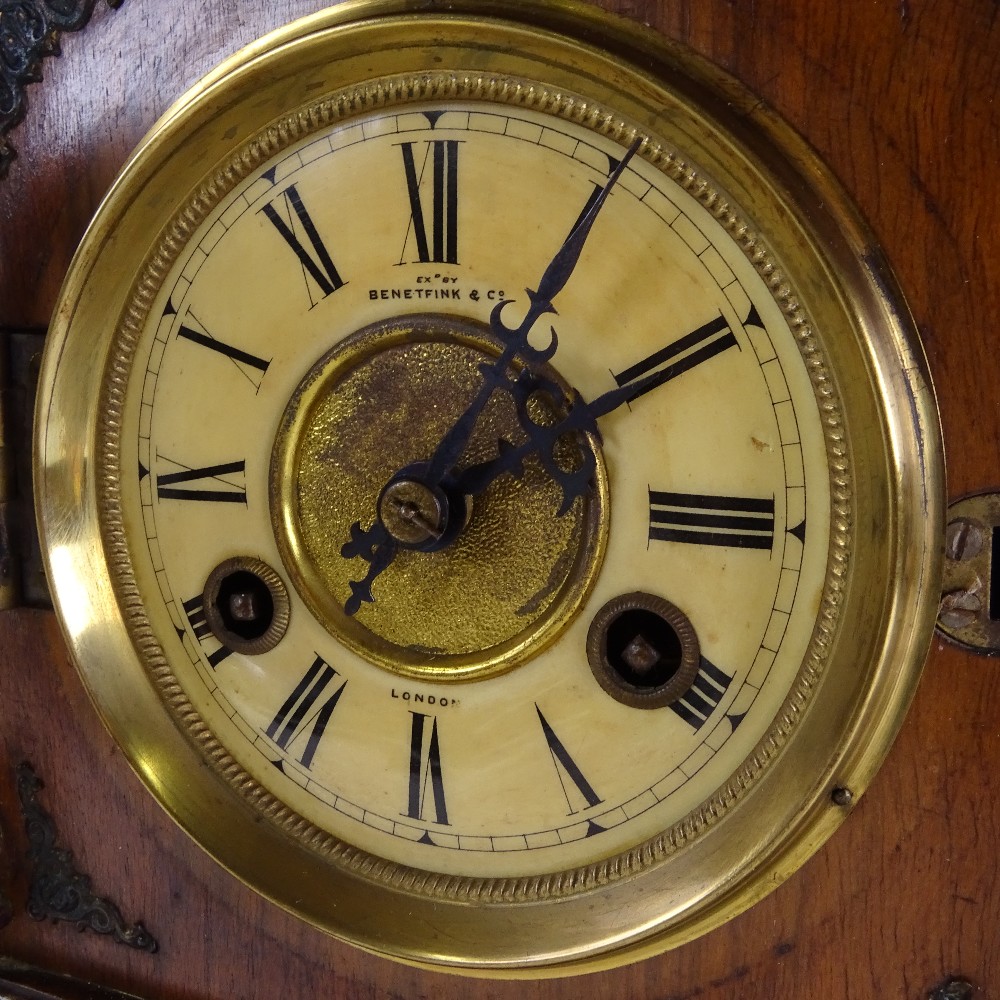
[213, 488]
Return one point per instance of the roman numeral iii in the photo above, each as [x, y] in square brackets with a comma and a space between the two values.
[695, 518]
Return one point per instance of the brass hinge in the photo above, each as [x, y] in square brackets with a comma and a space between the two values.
[22, 576]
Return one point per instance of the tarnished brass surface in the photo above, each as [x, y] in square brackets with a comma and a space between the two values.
[883, 451]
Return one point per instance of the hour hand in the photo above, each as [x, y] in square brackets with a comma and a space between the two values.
[558, 444]
[378, 548]
[543, 440]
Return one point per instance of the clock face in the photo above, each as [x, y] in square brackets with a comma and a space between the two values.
[323, 328]
[490, 489]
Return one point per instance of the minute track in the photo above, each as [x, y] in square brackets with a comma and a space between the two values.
[492, 839]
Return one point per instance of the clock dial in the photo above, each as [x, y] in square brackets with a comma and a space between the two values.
[487, 466]
[271, 388]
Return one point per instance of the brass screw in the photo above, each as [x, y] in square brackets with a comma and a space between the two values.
[412, 513]
[963, 539]
[842, 797]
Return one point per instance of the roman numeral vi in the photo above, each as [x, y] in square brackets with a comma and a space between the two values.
[425, 777]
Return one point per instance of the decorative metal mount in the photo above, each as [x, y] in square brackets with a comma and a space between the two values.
[29, 31]
[58, 891]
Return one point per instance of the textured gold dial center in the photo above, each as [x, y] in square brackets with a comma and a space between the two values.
[513, 570]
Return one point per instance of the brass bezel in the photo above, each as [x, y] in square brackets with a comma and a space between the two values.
[886, 463]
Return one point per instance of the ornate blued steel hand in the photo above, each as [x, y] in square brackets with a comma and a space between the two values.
[543, 440]
[495, 376]
[377, 545]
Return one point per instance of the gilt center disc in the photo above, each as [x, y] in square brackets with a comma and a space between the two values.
[516, 572]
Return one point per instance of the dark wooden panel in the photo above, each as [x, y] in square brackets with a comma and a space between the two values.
[898, 97]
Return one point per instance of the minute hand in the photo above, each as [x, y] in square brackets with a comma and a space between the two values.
[515, 341]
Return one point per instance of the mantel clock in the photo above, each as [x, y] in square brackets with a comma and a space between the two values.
[490, 483]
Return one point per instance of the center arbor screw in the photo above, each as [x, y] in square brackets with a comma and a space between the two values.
[412, 512]
[420, 516]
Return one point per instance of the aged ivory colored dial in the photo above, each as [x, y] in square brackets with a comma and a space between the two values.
[383, 229]
[507, 537]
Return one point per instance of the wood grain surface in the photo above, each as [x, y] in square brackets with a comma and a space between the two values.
[899, 99]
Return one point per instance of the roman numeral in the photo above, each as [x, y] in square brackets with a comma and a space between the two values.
[314, 258]
[435, 233]
[567, 770]
[425, 770]
[167, 487]
[301, 712]
[743, 522]
[249, 365]
[696, 706]
[195, 611]
[681, 356]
